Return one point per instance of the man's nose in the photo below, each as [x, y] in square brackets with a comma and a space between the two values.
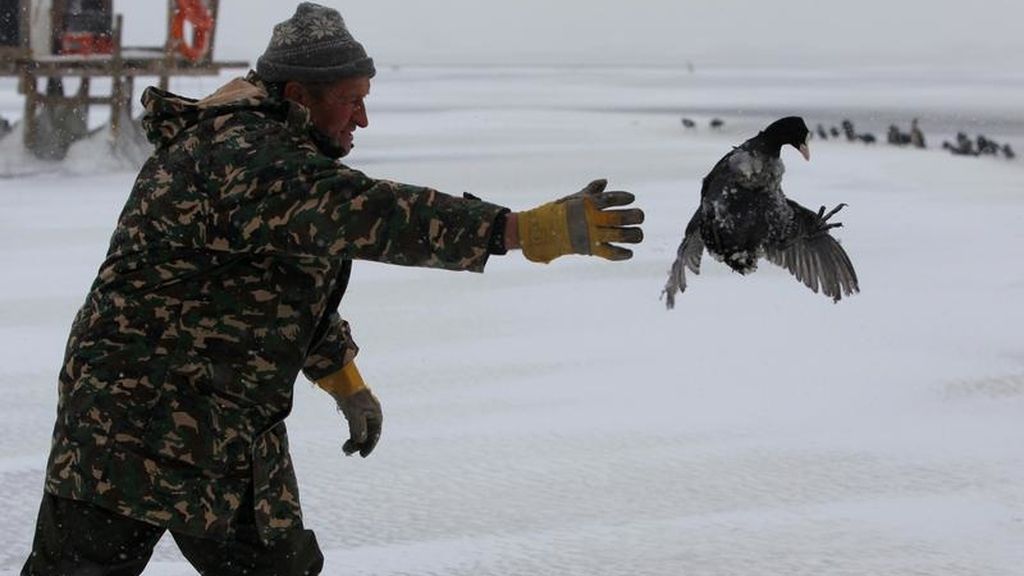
[360, 117]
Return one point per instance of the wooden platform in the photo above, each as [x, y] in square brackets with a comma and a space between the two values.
[122, 66]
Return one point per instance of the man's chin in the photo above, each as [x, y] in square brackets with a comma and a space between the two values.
[333, 147]
[344, 144]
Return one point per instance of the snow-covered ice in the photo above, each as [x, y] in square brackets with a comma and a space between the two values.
[557, 419]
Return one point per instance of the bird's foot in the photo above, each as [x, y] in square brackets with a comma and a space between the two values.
[823, 218]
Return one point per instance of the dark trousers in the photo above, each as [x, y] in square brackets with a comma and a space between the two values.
[80, 539]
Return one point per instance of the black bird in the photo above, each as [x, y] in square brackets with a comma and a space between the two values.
[743, 216]
[688, 123]
[717, 123]
[834, 132]
[821, 132]
[987, 146]
[1008, 152]
[893, 136]
[848, 130]
[916, 135]
[867, 138]
[964, 145]
[896, 137]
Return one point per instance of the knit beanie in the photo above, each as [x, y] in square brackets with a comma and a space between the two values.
[313, 46]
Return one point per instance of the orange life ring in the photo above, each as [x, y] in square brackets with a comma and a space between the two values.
[197, 14]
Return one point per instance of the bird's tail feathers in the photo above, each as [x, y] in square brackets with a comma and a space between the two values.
[677, 276]
[676, 283]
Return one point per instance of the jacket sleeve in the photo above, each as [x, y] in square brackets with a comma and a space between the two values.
[271, 191]
[332, 350]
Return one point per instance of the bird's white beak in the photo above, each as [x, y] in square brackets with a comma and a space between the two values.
[805, 151]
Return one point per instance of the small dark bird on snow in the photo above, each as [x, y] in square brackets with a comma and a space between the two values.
[716, 123]
[688, 123]
[834, 132]
[744, 216]
[960, 149]
[964, 145]
[987, 146]
[1008, 152]
[849, 131]
[821, 132]
[867, 138]
[916, 135]
[896, 137]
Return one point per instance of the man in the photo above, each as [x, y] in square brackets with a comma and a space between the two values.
[222, 283]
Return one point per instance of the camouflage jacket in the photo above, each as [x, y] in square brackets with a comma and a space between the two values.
[220, 285]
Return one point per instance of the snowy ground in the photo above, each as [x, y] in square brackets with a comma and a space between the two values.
[556, 419]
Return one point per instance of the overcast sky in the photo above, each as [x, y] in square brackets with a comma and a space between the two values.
[654, 32]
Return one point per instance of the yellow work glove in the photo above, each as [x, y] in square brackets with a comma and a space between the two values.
[581, 224]
[360, 407]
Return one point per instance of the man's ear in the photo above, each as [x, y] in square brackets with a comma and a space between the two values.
[296, 93]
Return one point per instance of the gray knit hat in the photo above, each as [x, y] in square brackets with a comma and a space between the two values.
[313, 46]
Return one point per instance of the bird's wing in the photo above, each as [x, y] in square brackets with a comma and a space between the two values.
[687, 256]
[818, 261]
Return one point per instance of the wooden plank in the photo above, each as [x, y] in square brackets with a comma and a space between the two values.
[72, 100]
[29, 120]
[26, 23]
[117, 99]
[98, 67]
[213, 6]
[58, 22]
[129, 93]
[83, 96]
[168, 52]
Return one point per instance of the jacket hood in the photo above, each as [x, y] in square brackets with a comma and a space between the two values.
[168, 115]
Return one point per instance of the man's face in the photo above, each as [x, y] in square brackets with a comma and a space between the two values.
[337, 111]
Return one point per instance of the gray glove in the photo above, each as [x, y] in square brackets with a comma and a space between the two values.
[362, 410]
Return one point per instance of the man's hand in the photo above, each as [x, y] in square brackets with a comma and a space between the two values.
[362, 410]
[581, 224]
[360, 407]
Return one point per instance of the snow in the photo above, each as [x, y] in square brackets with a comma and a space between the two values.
[557, 419]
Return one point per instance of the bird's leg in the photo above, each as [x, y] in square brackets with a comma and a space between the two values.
[823, 218]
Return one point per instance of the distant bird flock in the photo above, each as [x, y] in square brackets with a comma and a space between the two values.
[964, 145]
